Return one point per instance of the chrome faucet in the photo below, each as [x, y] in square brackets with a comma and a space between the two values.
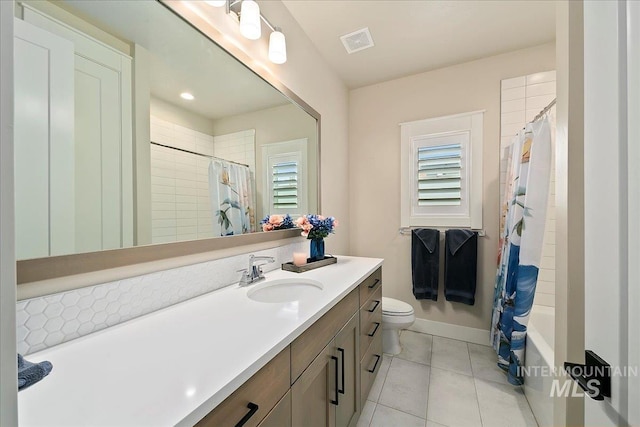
[254, 272]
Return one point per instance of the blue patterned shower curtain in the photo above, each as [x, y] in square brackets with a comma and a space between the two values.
[522, 227]
[232, 199]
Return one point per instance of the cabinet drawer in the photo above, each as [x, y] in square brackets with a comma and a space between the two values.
[264, 389]
[370, 285]
[369, 368]
[308, 345]
[371, 320]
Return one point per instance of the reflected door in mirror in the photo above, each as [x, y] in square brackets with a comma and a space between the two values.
[86, 202]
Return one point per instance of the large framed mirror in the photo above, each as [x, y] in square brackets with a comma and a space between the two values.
[137, 138]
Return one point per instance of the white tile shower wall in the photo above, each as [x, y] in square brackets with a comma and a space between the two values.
[522, 99]
[180, 204]
[53, 319]
[238, 147]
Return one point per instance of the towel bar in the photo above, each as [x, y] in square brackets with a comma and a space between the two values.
[407, 230]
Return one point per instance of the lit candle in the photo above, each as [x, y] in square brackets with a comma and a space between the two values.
[299, 258]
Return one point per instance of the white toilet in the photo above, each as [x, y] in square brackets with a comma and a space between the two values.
[396, 315]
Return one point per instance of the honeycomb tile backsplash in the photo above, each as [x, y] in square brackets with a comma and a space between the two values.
[53, 319]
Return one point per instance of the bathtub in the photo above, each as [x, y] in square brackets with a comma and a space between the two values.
[539, 363]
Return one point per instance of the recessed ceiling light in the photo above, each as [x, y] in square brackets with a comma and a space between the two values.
[187, 96]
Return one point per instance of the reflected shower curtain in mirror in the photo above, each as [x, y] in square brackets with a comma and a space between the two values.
[522, 226]
[232, 200]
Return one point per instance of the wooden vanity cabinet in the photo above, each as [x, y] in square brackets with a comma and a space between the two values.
[323, 378]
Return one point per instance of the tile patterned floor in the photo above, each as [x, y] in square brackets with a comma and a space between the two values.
[440, 382]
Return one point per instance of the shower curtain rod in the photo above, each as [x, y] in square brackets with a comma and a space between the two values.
[198, 154]
[544, 110]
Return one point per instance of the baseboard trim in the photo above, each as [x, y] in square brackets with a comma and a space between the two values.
[448, 330]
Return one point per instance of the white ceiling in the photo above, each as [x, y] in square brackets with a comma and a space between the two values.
[420, 35]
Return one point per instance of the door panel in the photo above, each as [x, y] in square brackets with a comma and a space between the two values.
[98, 173]
[347, 344]
[43, 133]
[609, 217]
[313, 391]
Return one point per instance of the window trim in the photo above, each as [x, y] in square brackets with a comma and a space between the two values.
[471, 122]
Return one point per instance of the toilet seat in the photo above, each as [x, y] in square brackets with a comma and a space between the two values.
[394, 307]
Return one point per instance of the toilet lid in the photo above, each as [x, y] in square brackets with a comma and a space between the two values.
[392, 306]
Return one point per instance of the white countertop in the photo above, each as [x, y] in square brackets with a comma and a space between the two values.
[173, 366]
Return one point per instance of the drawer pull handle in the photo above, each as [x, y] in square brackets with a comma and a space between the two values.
[374, 330]
[377, 303]
[336, 402]
[374, 284]
[341, 350]
[376, 364]
[253, 408]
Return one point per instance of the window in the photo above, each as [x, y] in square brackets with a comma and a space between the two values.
[441, 168]
[284, 176]
[285, 185]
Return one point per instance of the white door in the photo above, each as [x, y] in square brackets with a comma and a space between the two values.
[43, 135]
[612, 201]
[103, 139]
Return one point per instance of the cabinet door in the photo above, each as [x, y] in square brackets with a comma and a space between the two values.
[280, 416]
[347, 345]
[315, 394]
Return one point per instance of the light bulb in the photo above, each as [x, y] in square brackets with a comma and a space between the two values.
[277, 47]
[187, 96]
[216, 3]
[250, 25]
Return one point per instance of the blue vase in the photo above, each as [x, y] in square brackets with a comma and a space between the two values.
[316, 251]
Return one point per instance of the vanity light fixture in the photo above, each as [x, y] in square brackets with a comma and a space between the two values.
[277, 47]
[251, 25]
[187, 96]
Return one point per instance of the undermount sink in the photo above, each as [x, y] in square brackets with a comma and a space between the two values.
[285, 290]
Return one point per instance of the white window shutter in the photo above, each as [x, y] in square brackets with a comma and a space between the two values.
[285, 185]
[441, 164]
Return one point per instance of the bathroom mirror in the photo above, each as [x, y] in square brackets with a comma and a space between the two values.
[132, 128]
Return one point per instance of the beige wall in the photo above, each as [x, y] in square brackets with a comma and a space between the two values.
[180, 116]
[374, 164]
[278, 124]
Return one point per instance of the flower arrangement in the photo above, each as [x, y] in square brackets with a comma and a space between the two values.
[316, 226]
[276, 222]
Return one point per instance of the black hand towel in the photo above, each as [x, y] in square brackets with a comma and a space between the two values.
[425, 263]
[460, 265]
[30, 373]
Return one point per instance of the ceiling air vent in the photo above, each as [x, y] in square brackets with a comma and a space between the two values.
[357, 41]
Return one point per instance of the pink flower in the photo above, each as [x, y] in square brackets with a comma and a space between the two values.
[321, 218]
[304, 223]
[267, 227]
[276, 220]
[335, 223]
